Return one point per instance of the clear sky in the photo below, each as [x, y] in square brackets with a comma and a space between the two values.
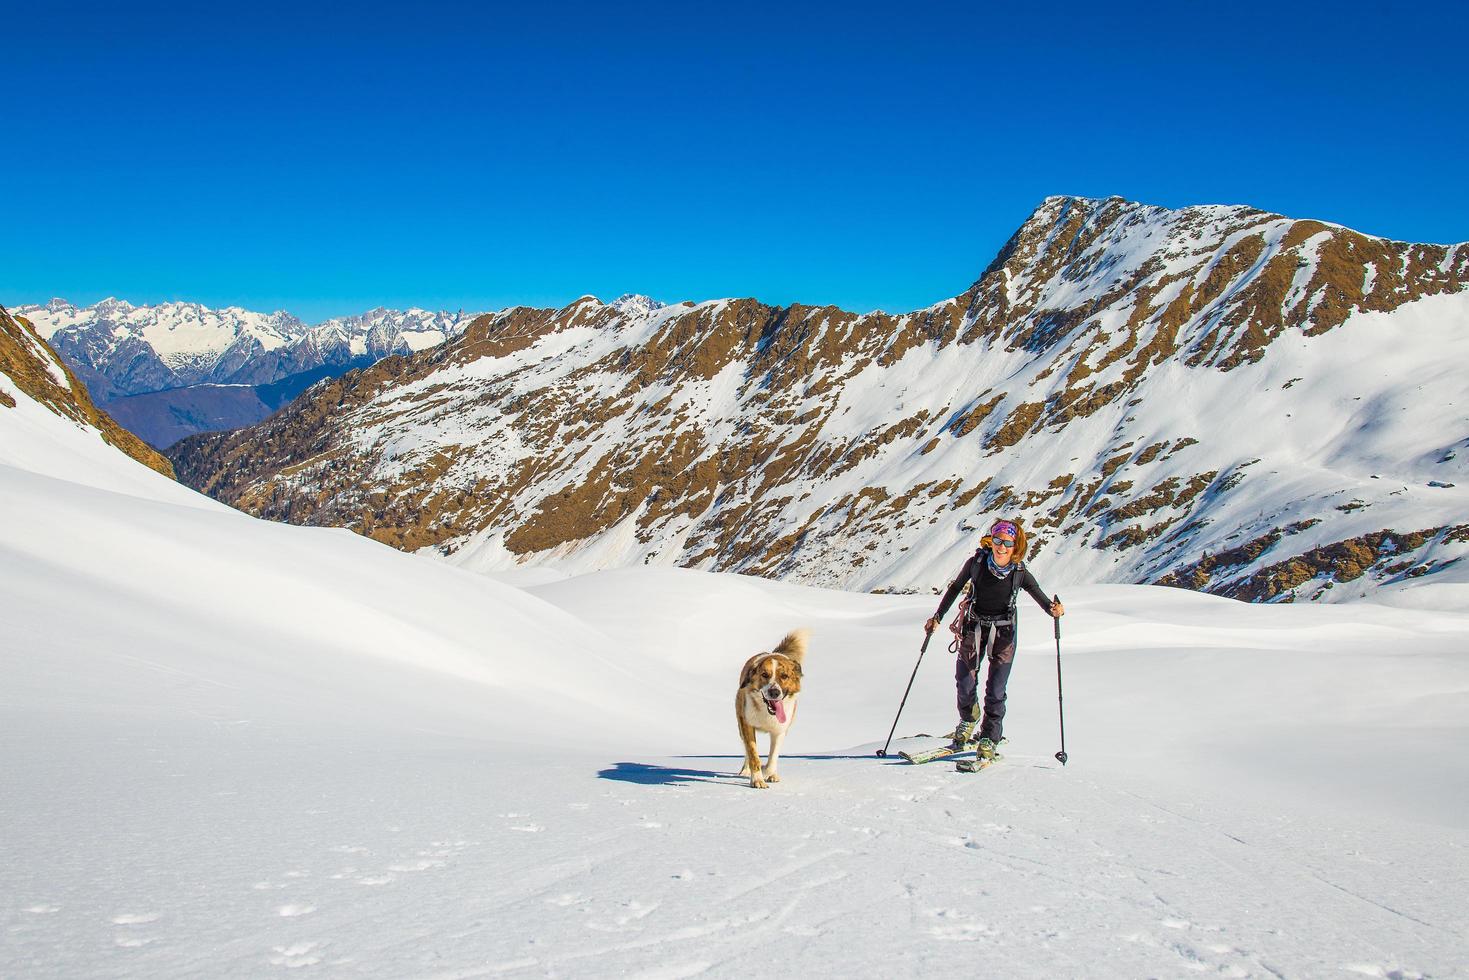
[325, 160]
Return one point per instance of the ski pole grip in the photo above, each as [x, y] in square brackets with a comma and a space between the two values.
[1056, 620]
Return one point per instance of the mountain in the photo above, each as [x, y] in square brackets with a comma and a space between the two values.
[120, 349]
[35, 378]
[233, 748]
[1211, 397]
[162, 418]
[172, 370]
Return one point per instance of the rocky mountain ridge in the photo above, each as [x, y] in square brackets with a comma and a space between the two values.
[36, 372]
[1213, 397]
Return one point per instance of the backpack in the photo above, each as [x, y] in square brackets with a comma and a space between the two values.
[1017, 576]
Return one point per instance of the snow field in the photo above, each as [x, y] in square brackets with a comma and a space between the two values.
[234, 748]
[436, 858]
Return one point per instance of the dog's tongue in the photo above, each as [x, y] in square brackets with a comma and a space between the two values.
[780, 711]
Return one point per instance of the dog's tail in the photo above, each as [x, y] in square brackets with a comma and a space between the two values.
[794, 645]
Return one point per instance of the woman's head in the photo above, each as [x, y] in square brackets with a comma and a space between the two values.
[1005, 540]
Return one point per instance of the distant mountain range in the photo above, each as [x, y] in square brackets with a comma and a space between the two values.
[161, 369]
[1212, 397]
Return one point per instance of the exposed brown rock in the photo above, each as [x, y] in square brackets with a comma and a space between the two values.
[29, 362]
[1342, 561]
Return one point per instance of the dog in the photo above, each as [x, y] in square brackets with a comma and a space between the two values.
[766, 702]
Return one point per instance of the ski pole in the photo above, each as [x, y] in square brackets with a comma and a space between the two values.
[882, 753]
[1060, 702]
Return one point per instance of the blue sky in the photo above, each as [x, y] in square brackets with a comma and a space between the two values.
[327, 160]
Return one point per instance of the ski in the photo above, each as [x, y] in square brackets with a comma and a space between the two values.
[943, 752]
[932, 755]
[977, 764]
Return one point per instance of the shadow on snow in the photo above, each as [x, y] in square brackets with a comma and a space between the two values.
[648, 774]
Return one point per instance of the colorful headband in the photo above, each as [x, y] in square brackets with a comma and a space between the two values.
[1004, 527]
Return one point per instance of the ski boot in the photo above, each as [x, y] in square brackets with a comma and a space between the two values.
[963, 736]
[984, 756]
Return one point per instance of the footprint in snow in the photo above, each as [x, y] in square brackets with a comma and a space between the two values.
[295, 955]
[676, 971]
[636, 910]
[567, 900]
[632, 911]
[423, 864]
[132, 942]
[134, 918]
[1390, 972]
[956, 925]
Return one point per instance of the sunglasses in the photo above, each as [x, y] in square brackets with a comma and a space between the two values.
[1004, 542]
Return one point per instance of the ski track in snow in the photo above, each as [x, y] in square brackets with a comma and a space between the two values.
[853, 866]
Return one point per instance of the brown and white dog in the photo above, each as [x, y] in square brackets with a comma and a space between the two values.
[766, 702]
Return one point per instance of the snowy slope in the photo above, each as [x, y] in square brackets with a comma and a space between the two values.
[234, 747]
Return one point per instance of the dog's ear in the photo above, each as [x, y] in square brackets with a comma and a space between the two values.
[747, 674]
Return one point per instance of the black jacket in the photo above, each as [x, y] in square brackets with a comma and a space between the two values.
[990, 595]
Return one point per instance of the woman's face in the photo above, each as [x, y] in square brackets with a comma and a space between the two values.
[1003, 547]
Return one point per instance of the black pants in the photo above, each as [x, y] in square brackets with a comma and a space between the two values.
[1000, 641]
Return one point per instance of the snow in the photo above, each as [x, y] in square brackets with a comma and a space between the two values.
[233, 747]
[193, 340]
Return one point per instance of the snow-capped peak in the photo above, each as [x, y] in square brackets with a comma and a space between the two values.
[122, 349]
[636, 305]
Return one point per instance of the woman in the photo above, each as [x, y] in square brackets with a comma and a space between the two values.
[995, 575]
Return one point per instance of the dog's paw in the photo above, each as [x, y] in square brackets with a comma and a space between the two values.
[758, 782]
[772, 777]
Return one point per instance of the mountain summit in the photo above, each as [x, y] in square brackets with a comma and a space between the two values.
[1214, 397]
